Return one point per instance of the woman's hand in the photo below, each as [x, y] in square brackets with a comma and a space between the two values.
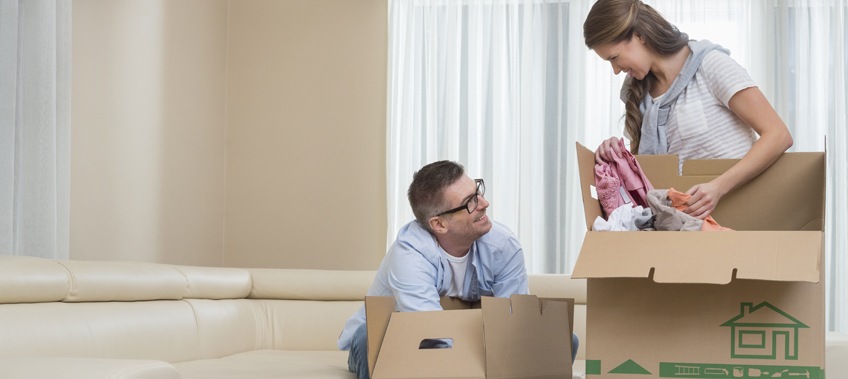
[608, 150]
[752, 107]
[704, 199]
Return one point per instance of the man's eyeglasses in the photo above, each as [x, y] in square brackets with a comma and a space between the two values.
[471, 204]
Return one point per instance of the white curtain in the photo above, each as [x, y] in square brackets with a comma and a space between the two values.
[507, 87]
[486, 83]
[34, 127]
[811, 93]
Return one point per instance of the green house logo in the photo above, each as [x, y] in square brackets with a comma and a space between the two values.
[763, 331]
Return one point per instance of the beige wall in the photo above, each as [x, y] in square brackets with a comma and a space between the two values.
[148, 127]
[306, 134]
[245, 133]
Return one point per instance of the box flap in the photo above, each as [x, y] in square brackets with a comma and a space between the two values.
[789, 195]
[702, 257]
[403, 354]
[709, 167]
[526, 337]
[586, 169]
[378, 311]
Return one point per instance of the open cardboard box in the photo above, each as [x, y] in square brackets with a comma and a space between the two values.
[519, 337]
[747, 303]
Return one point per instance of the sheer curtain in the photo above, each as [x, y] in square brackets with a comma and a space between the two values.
[507, 87]
[34, 127]
[811, 93]
[487, 84]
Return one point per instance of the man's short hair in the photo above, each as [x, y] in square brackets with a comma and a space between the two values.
[426, 193]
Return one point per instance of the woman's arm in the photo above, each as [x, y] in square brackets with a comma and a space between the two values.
[754, 109]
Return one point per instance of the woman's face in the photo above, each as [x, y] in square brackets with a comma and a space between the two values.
[630, 56]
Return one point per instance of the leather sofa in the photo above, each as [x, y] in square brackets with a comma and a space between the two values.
[63, 319]
[127, 320]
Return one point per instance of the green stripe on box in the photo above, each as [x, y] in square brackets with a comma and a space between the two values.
[683, 370]
[630, 367]
[593, 367]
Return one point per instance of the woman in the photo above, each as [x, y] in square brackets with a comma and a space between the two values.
[684, 97]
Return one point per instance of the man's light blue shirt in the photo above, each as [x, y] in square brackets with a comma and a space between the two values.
[416, 274]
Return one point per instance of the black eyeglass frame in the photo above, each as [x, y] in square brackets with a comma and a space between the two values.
[481, 190]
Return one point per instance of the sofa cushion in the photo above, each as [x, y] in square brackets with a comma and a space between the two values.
[216, 282]
[270, 364]
[226, 327]
[159, 330]
[123, 281]
[301, 284]
[32, 280]
[836, 355]
[76, 368]
[302, 324]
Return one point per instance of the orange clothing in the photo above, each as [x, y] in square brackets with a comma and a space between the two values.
[678, 201]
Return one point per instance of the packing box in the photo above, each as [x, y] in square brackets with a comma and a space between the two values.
[519, 337]
[747, 303]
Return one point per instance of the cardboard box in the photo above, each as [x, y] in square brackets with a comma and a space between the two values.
[747, 303]
[519, 337]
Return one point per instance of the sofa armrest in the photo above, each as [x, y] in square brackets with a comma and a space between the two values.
[836, 355]
[89, 368]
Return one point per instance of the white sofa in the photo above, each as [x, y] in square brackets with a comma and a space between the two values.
[126, 320]
[82, 319]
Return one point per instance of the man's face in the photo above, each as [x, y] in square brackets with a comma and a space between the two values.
[461, 223]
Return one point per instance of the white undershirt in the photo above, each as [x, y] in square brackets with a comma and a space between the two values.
[458, 267]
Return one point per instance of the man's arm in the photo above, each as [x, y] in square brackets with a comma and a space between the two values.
[511, 278]
[413, 281]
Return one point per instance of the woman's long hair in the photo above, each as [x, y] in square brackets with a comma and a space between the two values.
[613, 21]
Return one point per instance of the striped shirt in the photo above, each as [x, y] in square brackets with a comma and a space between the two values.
[700, 123]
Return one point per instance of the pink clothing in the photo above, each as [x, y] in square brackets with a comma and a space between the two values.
[678, 201]
[621, 182]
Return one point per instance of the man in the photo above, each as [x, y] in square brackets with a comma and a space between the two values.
[451, 249]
